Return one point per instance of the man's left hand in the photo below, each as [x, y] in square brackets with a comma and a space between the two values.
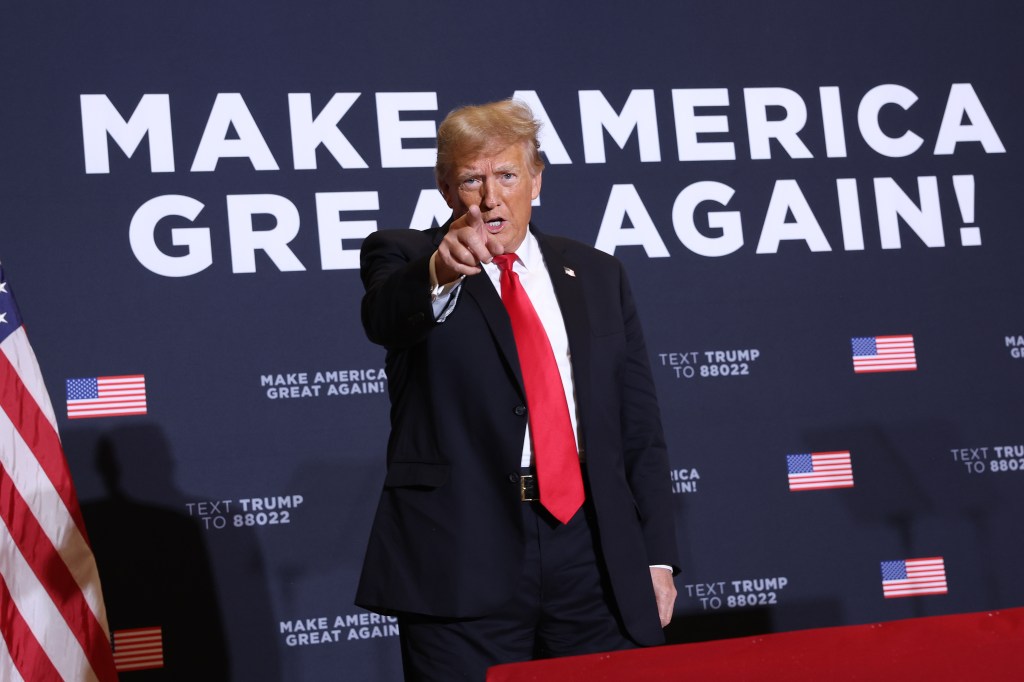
[664, 593]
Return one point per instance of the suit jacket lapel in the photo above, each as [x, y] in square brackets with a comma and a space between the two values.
[479, 288]
[568, 291]
[572, 302]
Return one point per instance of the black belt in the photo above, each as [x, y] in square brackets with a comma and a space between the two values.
[529, 490]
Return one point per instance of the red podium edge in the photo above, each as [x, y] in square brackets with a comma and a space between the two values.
[976, 646]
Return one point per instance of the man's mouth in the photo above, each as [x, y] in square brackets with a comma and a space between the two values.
[495, 224]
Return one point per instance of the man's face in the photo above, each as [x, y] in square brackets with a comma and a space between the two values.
[501, 184]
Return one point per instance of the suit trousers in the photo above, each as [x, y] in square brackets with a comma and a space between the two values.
[561, 607]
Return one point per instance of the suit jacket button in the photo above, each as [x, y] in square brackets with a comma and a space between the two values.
[520, 410]
[514, 477]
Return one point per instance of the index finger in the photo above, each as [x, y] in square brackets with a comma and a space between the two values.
[477, 238]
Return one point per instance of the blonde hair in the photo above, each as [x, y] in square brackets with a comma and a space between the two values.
[468, 131]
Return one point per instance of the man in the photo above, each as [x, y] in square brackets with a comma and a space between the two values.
[526, 509]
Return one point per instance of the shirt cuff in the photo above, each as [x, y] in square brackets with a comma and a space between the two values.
[442, 300]
[437, 290]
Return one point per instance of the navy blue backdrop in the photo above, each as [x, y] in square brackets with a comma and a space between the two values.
[185, 187]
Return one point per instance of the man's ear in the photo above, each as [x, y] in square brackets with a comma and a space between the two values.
[445, 189]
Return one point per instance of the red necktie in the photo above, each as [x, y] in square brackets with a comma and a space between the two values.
[554, 447]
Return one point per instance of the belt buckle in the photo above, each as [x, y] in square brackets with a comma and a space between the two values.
[523, 494]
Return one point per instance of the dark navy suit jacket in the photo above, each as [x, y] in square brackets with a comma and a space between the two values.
[447, 539]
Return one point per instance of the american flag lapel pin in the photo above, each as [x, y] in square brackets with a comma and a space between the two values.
[570, 272]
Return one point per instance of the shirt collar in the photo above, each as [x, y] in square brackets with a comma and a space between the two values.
[531, 259]
[529, 252]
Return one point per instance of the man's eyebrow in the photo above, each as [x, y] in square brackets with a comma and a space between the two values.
[468, 173]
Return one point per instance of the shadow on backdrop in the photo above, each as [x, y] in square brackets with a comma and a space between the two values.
[156, 568]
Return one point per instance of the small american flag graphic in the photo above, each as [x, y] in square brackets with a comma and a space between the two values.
[883, 354]
[138, 649]
[818, 470]
[911, 577]
[106, 396]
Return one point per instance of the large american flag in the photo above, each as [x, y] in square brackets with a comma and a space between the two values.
[53, 622]
[911, 577]
[106, 396]
[883, 353]
[819, 470]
